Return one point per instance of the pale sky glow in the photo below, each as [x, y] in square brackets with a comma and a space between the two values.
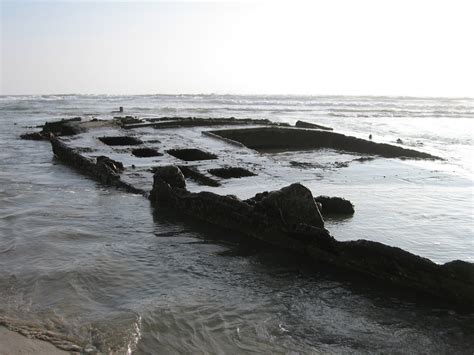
[414, 48]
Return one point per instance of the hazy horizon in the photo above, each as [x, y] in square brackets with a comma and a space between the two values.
[248, 94]
[311, 49]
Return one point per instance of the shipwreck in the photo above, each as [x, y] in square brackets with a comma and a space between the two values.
[188, 164]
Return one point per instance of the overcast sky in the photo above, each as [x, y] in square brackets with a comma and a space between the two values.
[415, 48]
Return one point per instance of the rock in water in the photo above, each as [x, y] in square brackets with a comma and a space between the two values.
[172, 175]
[335, 205]
[115, 167]
[293, 204]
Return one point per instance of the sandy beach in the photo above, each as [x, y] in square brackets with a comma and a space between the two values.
[15, 343]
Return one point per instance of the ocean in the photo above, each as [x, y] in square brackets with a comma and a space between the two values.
[97, 264]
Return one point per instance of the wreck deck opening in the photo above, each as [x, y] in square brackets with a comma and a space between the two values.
[146, 152]
[231, 172]
[191, 154]
[120, 140]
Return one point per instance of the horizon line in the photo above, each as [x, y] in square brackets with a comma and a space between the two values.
[399, 96]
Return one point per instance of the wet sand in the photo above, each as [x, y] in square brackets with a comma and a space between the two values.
[15, 343]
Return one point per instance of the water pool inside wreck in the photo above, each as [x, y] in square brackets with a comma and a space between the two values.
[94, 272]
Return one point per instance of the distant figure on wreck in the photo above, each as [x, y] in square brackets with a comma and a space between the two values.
[370, 136]
[120, 110]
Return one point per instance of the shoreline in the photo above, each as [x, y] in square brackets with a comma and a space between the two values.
[15, 343]
[19, 337]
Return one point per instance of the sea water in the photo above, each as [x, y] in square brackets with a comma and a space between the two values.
[97, 264]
